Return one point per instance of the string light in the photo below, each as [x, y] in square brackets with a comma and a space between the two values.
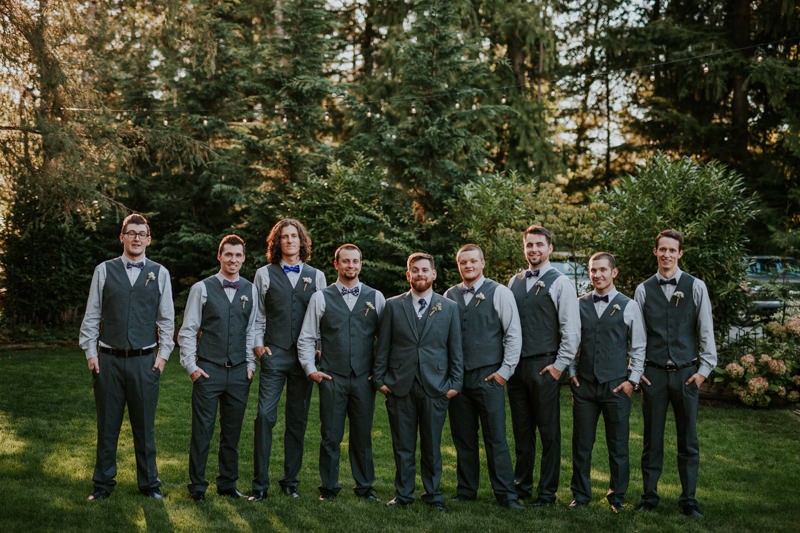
[705, 68]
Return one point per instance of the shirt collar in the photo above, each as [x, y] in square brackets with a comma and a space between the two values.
[477, 285]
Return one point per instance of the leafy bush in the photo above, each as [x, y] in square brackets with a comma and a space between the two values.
[707, 202]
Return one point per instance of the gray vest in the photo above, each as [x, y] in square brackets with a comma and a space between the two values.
[348, 336]
[671, 328]
[286, 305]
[224, 323]
[541, 332]
[604, 340]
[481, 329]
[129, 313]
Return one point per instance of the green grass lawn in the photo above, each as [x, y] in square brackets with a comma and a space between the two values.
[749, 471]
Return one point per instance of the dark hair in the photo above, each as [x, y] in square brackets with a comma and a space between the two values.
[274, 240]
[469, 248]
[672, 234]
[612, 261]
[347, 246]
[538, 230]
[233, 240]
[134, 218]
[419, 256]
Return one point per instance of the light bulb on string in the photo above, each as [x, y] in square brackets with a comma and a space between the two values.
[166, 122]
[369, 114]
[284, 119]
[458, 105]
[413, 109]
[705, 68]
[327, 116]
[205, 122]
[504, 100]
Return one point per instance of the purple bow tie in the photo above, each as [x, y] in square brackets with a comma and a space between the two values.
[534, 274]
[287, 269]
[138, 265]
[672, 281]
[227, 284]
[465, 290]
[354, 291]
[596, 298]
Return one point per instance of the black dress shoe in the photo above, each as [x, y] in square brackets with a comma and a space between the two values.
[394, 502]
[692, 512]
[257, 496]
[98, 495]
[370, 497]
[197, 496]
[541, 502]
[230, 493]
[439, 506]
[514, 505]
[327, 497]
[645, 507]
[462, 498]
[154, 494]
[290, 492]
[574, 504]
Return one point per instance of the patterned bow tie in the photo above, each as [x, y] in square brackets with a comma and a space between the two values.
[672, 281]
[422, 304]
[138, 265]
[287, 269]
[228, 284]
[596, 298]
[467, 290]
[354, 291]
[534, 274]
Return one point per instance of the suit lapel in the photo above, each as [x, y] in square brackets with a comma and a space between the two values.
[411, 315]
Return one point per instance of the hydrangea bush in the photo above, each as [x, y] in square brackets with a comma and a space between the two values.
[759, 380]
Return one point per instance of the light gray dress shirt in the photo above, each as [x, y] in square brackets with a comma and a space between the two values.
[261, 282]
[309, 334]
[506, 307]
[193, 320]
[705, 322]
[165, 319]
[565, 298]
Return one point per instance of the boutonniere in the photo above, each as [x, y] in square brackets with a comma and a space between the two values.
[306, 282]
[244, 301]
[479, 297]
[678, 295]
[370, 307]
[435, 308]
[150, 277]
[614, 309]
[539, 286]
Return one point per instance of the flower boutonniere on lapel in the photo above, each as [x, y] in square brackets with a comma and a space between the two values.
[539, 286]
[435, 308]
[678, 295]
[614, 309]
[369, 308]
[150, 277]
[244, 301]
[479, 298]
[306, 282]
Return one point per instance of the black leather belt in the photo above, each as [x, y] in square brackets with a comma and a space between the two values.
[548, 354]
[671, 367]
[126, 353]
[226, 364]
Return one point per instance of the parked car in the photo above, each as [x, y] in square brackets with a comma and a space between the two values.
[574, 267]
[773, 284]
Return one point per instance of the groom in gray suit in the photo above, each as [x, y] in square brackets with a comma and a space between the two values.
[418, 368]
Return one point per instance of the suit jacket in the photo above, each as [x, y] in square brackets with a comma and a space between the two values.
[433, 353]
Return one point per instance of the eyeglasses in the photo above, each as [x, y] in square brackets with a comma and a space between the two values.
[133, 234]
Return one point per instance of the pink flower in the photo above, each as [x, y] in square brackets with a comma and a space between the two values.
[777, 367]
[748, 359]
[796, 380]
[794, 396]
[781, 392]
[734, 370]
[757, 385]
[765, 358]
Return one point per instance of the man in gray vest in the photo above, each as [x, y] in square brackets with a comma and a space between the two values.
[548, 312]
[612, 330]
[343, 322]
[216, 341]
[491, 340]
[129, 317]
[681, 353]
[419, 367]
[284, 288]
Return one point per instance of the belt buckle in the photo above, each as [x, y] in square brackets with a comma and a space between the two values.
[228, 364]
[671, 367]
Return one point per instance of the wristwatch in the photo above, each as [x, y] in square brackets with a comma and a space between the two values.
[635, 386]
